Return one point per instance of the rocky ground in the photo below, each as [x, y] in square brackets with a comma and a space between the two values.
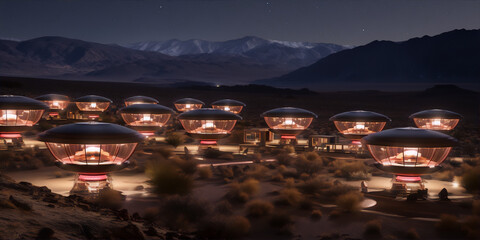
[31, 212]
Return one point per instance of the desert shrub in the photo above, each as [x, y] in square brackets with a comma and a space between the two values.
[187, 165]
[338, 189]
[412, 234]
[211, 153]
[334, 214]
[314, 185]
[290, 196]
[289, 149]
[109, 198]
[257, 171]
[161, 152]
[284, 159]
[373, 228]
[181, 212]
[277, 177]
[471, 180]
[446, 175]
[241, 192]
[349, 202]
[167, 178]
[308, 163]
[236, 226]
[282, 222]
[225, 171]
[257, 157]
[205, 172]
[5, 203]
[351, 171]
[449, 225]
[259, 208]
[224, 207]
[175, 139]
[289, 183]
[306, 204]
[316, 214]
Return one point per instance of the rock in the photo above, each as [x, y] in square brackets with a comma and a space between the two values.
[51, 205]
[443, 195]
[151, 231]
[136, 217]
[87, 232]
[45, 234]
[123, 214]
[130, 231]
[50, 200]
[19, 204]
[139, 188]
[412, 197]
[171, 235]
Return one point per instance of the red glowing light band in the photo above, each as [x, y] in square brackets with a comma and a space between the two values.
[92, 177]
[288, 137]
[53, 114]
[208, 142]
[93, 116]
[408, 179]
[356, 142]
[10, 135]
[147, 133]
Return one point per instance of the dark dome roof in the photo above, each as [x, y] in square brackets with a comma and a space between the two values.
[143, 99]
[209, 114]
[93, 98]
[20, 102]
[360, 115]
[188, 101]
[147, 108]
[228, 102]
[91, 133]
[53, 97]
[289, 112]
[410, 137]
[436, 113]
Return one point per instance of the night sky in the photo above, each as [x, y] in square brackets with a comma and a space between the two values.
[349, 22]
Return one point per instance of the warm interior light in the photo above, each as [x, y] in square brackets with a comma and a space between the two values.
[91, 151]
[288, 121]
[360, 125]
[227, 108]
[208, 125]
[9, 116]
[93, 105]
[436, 122]
[411, 153]
[147, 134]
[146, 118]
[187, 106]
[55, 104]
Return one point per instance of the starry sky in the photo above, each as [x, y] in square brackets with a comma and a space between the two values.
[347, 22]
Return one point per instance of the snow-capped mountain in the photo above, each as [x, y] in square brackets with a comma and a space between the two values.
[293, 54]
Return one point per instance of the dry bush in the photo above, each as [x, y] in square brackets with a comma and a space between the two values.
[205, 172]
[446, 175]
[308, 163]
[349, 202]
[314, 185]
[412, 234]
[257, 171]
[259, 208]
[289, 183]
[167, 178]
[225, 171]
[109, 198]
[242, 192]
[211, 153]
[471, 180]
[5, 203]
[449, 226]
[284, 159]
[161, 152]
[316, 214]
[338, 189]
[289, 149]
[236, 226]
[351, 170]
[224, 207]
[290, 196]
[277, 177]
[373, 228]
[187, 165]
[179, 212]
[175, 139]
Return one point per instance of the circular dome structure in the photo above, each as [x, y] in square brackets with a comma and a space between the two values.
[146, 117]
[208, 123]
[288, 121]
[358, 124]
[436, 119]
[91, 149]
[54, 101]
[409, 151]
[188, 104]
[18, 113]
[93, 103]
[229, 105]
[140, 100]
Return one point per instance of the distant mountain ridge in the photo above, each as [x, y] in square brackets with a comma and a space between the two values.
[451, 57]
[273, 52]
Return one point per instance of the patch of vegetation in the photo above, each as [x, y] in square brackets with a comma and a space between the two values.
[471, 180]
[205, 172]
[290, 196]
[180, 212]
[350, 170]
[259, 208]
[316, 214]
[282, 222]
[373, 228]
[175, 139]
[242, 192]
[349, 202]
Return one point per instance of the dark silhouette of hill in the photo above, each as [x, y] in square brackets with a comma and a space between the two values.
[451, 57]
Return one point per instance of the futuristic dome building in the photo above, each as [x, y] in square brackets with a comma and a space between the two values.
[188, 104]
[18, 114]
[355, 125]
[139, 100]
[409, 152]
[92, 150]
[288, 121]
[146, 118]
[436, 119]
[229, 105]
[208, 125]
[56, 103]
[92, 105]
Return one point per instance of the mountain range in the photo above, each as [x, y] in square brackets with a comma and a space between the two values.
[451, 57]
[64, 58]
[270, 52]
